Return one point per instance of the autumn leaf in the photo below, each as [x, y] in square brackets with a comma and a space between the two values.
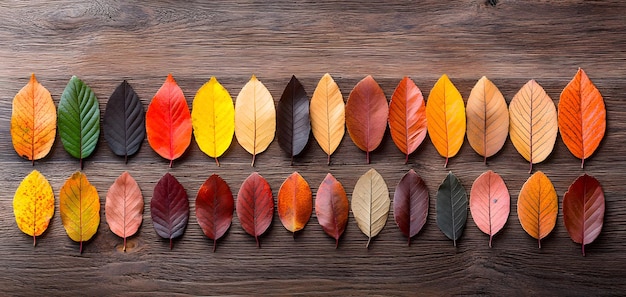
[445, 113]
[410, 204]
[169, 208]
[79, 119]
[582, 116]
[537, 206]
[124, 121]
[327, 115]
[255, 206]
[331, 207]
[407, 117]
[583, 210]
[295, 203]
[255, 117]
[490, 203]
[168, 121]
[79, 206]
[214, 208]
[487, 119]
[366, 115]
[124, 207]
[33, 204]
[533, 123]
[293, 120]
[33, 121]
[213, 119]
[451, 207]
[370, 203]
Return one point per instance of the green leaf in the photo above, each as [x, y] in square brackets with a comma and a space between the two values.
[451, 207]
[79, 119]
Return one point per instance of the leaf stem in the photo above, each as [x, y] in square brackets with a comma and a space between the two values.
[367, 245]
[253, 157]
[171, 244]
[124, 248]
[258, 245]
[217, 162]
[171, 161]
[34, 240]
[214, 240]
[328, 160]
[80, 248]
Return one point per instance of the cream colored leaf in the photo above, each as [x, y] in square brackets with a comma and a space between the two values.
[370, 203]
[328, 115]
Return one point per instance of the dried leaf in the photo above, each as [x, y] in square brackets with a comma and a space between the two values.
[533, 123]
[255, 117]
[33, 204]
[407, 117]
[537, 206]
[487, 119]
[370, 203]
[214, 208]
[410, 204]
[451, 207]
[124, 207]
[255, 206]
[582, 116]
[124, 121]
[295, 203]
[213, 119]
[490, 203]
[583, 210]
[168, 121]
[79, 119]
[169, 208]
[366, 115]
[293, 120]
[331, 207]
[33, 121]
[327, 115]
[79, 206]
[445, 113]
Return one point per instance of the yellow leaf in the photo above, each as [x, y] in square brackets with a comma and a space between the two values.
[80, 208]
[370, 203]
[33, 204]
[213, 119]
[534, 125]
[255, 117]
[33, 121]
[487, 119]
[327, 115]
[445, 114]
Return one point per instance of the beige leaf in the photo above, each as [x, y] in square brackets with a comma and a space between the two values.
[370, 203]
[327, 115]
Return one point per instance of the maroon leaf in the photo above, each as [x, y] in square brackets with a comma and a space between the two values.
[583, 210]
[255, 206]
[169, 208]
[332, 207]
[410, 204]
[214, 208]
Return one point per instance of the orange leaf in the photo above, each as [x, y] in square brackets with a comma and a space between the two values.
[582, 116]
[295, 202]
[407, 117]
[490, 203]
[168, 121]
[79, 206]
[537, 206]
[33, 121]
[124, 207]
[445, 112]
[366, 115]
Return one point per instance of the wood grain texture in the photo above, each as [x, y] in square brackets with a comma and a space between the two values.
[106, 41]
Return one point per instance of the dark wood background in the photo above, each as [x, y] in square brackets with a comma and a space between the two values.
[104, 42]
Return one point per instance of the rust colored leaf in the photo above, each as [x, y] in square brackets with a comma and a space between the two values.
[255, 206]
[583, 210]
[168, 121]
[214, 208]
[490, 203]
[582, 116]
[295, 203]
[33, 121]
[169, 208]
[332, 207]
[124, 207]
[366, 115]
[410, 204]
[293, 123]
[407, 117]
[537, 206]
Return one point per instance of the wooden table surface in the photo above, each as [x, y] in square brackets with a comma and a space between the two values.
[106, 41]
